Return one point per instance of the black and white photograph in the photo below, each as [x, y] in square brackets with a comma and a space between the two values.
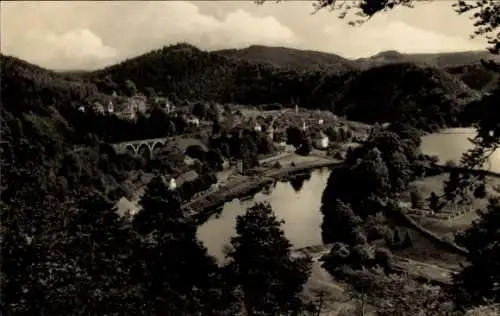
[250, 158]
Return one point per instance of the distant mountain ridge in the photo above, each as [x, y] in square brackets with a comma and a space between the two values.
[439, 60]
[283, 56]
[465, 65]
[291, 58]
[279, 56]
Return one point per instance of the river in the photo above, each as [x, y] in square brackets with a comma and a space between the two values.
[449, 144]
[298, 203]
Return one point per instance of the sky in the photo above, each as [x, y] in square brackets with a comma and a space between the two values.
[88, 35]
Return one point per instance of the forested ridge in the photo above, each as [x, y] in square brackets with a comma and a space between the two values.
[419, 93]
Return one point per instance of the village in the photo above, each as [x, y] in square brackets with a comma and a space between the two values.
[328, 136]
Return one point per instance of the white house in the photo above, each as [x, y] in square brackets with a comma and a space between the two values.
[239, 166]
[320, 121]
[164, 103]
[172, 184]
[126, 208]
[270, 132]
[168, 106]
[193, 121]
[225, 164]
[111, 107]
[321, 141]
[257, 128]
[81, 109]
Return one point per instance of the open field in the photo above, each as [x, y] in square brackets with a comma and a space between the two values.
[448, 227]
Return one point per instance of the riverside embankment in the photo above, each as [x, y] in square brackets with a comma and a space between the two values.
[205, 206]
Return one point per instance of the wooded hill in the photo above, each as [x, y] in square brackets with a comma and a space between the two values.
[415, 88]
[427, 90]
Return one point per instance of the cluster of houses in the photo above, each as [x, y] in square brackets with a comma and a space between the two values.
[320, 139]
[127, 107]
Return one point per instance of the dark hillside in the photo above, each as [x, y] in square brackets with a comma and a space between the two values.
[476, 76]
[40, 127]
[291, 58]
[27, 87]
[182, 70]
[405, 92]
[464, 65]
[393, 92]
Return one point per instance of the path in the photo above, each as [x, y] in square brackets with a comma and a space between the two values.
[319, 276]
[413, 267]
[425, 270]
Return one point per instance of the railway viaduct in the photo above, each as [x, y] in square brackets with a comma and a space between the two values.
[142, 145]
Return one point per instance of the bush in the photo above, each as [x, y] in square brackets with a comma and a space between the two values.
[416, 199]
[480, 191]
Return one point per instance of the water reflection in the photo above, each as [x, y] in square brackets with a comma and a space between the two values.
[299, 210]
[298, 181]
[269, 188]
[451, 143]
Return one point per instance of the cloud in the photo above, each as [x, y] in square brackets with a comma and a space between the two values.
[161, 23]
[65, 34]
[382, 34]
[242, 29]
[101, 33]
[77, 49]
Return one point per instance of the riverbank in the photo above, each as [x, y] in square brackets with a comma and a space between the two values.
[206, 206]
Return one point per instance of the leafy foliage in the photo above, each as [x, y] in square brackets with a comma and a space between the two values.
[479, 281]
[398, 295]
[358, 200]
[261, 265]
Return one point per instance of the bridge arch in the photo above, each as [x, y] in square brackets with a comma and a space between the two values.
[155, 147]
[144, 149]
[131, 149]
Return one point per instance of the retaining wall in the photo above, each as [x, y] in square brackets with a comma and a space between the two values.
[450, 246]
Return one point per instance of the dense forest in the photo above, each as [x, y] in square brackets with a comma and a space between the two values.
[420, 93]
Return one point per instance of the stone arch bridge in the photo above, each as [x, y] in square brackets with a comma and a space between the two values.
[150, 146]
[139, 146]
